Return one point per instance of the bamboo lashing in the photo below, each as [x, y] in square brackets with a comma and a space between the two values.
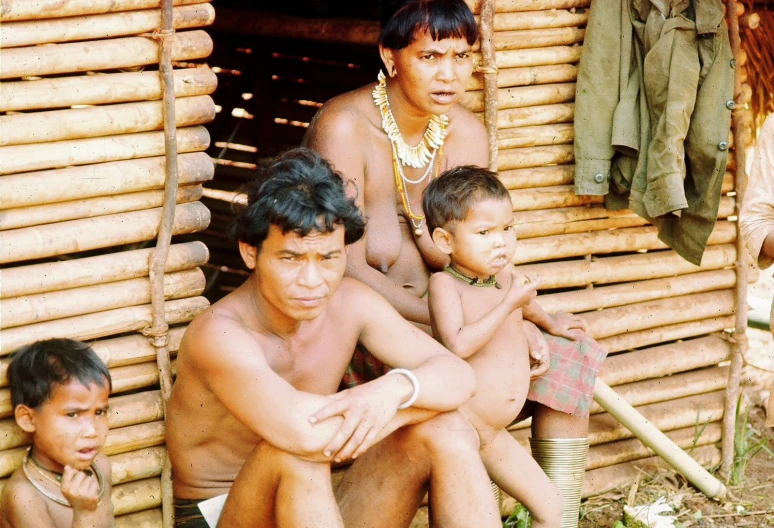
[98, 55]
[89, 208]
[489, 70]
[101, 324]
[93, 27]
[103, 179]
[651, 314]
[29, 309]
[21, 158]
[42, 9]
[740, 336]
[125, 118]
[158, 331]
[652, 336]
[67, 274]
[104, 231]
[103, 88]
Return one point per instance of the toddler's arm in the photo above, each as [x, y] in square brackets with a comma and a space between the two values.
[447, 319]
[559, 324]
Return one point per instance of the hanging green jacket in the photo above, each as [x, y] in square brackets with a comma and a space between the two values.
[652, 114]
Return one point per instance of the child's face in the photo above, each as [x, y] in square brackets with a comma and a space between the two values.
[71, 427]
[484, 243]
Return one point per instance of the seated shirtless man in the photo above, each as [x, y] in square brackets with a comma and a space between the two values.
[254, 412]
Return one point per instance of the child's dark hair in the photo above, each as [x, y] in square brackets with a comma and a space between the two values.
[35, 369]
[442, 18]
[297, 191]
[450, 197]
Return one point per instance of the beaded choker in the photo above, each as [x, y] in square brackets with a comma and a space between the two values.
[473, 281]
[48, 482]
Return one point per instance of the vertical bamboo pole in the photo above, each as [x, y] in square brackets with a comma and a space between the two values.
[489, 69]
[159, 331]
[740, 335]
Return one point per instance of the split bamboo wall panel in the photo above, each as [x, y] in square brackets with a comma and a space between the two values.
[664, 321]
[81, 189]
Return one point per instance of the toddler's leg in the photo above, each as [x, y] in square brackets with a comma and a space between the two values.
[512, 468]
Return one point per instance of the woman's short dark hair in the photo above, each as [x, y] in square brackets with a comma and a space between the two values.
[298, 191]
[37, 368]
[441, 18]
[451, 196]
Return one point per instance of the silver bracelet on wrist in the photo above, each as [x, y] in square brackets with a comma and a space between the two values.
[414, 383]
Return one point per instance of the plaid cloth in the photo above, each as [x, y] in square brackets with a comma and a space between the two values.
[567, 387]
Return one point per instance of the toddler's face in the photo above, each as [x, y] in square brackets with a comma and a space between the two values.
[485, 242]
[71, 427]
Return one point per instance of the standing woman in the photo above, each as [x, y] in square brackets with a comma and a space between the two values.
[391, 138]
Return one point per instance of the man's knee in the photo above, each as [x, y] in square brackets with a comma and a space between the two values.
[285, 464]
[446, 433]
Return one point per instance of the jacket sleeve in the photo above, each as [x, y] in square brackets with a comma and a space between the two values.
[597, 96]
[757, 215]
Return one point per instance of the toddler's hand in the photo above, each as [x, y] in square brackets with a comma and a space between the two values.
[539, 351]
[80, 489]
[566, 325]
[522, 290]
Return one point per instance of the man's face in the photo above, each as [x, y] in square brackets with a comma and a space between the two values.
[297, 275]
[433, 74]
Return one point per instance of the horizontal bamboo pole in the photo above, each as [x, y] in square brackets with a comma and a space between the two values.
[523, 96]
[520, 58]
[521, 158]
[665, 360]
[22, 158]
[638, 266]
[91, 207]
[620, 476]
[634, 292]
[133, 377]
[652, 314]
[688, 438]
[101, 179]
[530, 75]
[137, 465]
[93, 27]
[104, 231]
[592, 217]
[599, 242]
[103, 88]
[136, 496]
[538, 38]
[671, 387]
[92, 326]
[134, 437]
[553, 18]
[128, 410]
[548, 197]
[658, 441]
[30, 309]
[536, 176]
[143, 519]
[107, 54]
[535, 115]
[126, 118]
[66, 274]
[535, 136]
[581, 226]
[512, 6]
[661, 334]
[42, 9]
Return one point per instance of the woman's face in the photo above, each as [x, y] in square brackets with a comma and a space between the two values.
[431, 74]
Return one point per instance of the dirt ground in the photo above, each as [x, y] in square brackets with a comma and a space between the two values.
[750, 503]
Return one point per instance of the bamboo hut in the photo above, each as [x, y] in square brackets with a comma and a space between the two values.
[84, 186]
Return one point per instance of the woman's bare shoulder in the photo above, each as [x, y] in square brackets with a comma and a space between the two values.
[344, 113]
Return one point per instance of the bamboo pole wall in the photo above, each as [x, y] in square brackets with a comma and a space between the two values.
[82, 186]
[666, 322]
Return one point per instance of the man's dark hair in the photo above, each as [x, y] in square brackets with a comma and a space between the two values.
[300, 192]
[451, 196]
[37, 368]
[441, 18]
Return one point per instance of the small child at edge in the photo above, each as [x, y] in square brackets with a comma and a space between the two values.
[59, 392]
[475, 311]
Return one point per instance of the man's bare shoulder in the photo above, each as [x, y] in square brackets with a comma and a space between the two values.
[22, 505]
[220, 323]
[361, 301]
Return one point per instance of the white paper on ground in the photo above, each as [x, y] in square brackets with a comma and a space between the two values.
[212, 508]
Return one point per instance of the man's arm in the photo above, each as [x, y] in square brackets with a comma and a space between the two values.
[234, 368]
[332, 128]
[756, 218]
